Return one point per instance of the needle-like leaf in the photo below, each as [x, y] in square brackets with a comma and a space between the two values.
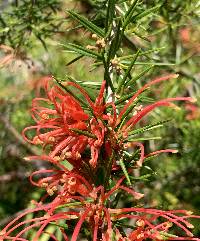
[87, 24]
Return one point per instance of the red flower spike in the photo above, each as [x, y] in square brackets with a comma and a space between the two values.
[79, 224]
[161, 151]
[96, 134]
[149, 108]
[53, 125]
[136, 195]
[96, 214]
[150, 230]
[155, 81]
[98, 107]
[66, 144]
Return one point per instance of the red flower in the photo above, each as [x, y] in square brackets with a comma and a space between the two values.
[62, 126]
[126, 127]
[54, 124]
[109, 128]
[78, 200]
[90, 141]
[96, 124]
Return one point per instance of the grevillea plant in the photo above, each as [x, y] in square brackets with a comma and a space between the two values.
[91, 150]
[95, 140]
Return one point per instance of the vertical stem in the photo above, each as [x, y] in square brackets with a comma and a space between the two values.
[107, 76]
[108, 170]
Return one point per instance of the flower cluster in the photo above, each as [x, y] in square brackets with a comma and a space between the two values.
[95, 137]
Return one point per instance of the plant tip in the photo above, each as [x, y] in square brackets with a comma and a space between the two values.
[27, 158]
[193, 100]
[189, 212]
[176, 76]
[189, 225]
[2, 233]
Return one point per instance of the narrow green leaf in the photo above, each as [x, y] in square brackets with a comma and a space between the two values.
[70, 92]
[144, 139]
[141, 53]
[140, 36]
[67, 164]
[49, 230]
[89, 83]
[158, 31]
[124, 171]
[145, 13]
[108, 31]
[64, 225]
[148, 127]
[110, 13]
[140, 98]
[115, 44]
[107, 75]
[129, 109]
[149, 158]
[133, 156]
[72, 79]
[72, 204]
[96, 65]
[127, 73]
[117, 199]
[124, 225]
[74, 60]
[166, 235]
[121, 123]
[129, 14]
[83, 85]
[149, 168]
[74, 28]
[124, 98]
[131, 8]
[81, 50]
[87, 24]
[85, 133]
[149, 63]
[144, 177]
[131, 81]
